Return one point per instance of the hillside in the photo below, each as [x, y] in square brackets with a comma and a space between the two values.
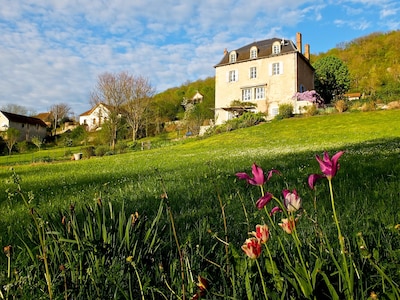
[373, 62]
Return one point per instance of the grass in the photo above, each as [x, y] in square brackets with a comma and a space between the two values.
[195, 173]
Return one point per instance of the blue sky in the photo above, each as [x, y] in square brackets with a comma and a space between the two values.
[52, 51]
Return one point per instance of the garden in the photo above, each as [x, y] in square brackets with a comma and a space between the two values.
[300, 208]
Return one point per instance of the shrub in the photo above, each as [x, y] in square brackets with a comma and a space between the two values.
[341, 105]
[310, 110]
[88, 151]
[121, 147]
[368, 106]
[285, 111]
[101, 150]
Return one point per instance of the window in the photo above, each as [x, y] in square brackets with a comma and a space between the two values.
[232, 57]
[276, 68]
[232, 76]
[276, 48]
[259, 93]
[253, 72]
[246, 94]
[253, 52]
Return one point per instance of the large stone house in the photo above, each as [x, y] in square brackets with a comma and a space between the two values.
[265, 74]
[28, 127]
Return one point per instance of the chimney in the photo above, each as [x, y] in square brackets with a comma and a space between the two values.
[225, 51]
[307, 51]
[298, 42]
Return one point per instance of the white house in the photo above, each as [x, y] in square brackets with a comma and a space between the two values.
[29, 127]
[266, 73]
[94, 117]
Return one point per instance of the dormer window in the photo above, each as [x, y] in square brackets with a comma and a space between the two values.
[232, 57]
[253, 52]
[276, 48]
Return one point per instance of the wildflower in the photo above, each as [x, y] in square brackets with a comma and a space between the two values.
[292, 200]
[288, 225]
[252, 248]
[329, 167]
[264, 200]
[261, 233]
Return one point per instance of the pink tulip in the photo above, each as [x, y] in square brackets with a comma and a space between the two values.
[329, 167]
[258, 176]
[264, 200]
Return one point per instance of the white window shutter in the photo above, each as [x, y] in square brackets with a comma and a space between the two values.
[280, 67]
[236, 75]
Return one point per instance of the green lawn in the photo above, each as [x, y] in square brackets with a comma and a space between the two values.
[199, 172]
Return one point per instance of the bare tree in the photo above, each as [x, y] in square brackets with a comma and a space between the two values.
[138, 94]
[11, 136]
[58, 113]
[17, 109]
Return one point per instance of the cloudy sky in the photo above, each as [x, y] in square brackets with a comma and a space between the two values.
[52, 51]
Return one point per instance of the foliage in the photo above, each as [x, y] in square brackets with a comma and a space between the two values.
[247, 119]
[332, 77]
[11, 136]
[79, 134]
[373, 62]
[341, 105]
[101, 150]
[285, 111]
[37, 141]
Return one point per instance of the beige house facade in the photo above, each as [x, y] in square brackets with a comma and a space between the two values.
[28, 127]
[264, 74]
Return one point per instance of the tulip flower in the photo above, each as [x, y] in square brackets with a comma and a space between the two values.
[292, 200]
[264, 200]
[261, 233]
[288, 225]
[258, 176]
[252, 248]
[329, 167]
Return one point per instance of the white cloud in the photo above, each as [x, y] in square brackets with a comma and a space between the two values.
[52, 51]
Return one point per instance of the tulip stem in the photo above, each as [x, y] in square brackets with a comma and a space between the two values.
[262, 279]
[341, 243]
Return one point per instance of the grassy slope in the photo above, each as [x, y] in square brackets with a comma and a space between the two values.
[195, 171]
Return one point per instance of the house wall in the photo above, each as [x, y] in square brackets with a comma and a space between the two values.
[95, 119]
[279, 88]
[27, 131]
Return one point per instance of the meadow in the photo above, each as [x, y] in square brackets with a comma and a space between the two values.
[75, 234]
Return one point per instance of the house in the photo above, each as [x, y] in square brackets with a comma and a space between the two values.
[94, 117]
[352, 96]
[29, 127]
[265, 74]
[188, 103]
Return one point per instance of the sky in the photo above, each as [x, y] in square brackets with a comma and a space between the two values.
[53, 51]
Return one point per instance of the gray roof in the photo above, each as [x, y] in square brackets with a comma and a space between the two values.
[264, 50]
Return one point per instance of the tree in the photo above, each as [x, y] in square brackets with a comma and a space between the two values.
[110, 90]
[138, 94]
[10, 137]
[37, 141]
[332, 78]
[58, 113]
